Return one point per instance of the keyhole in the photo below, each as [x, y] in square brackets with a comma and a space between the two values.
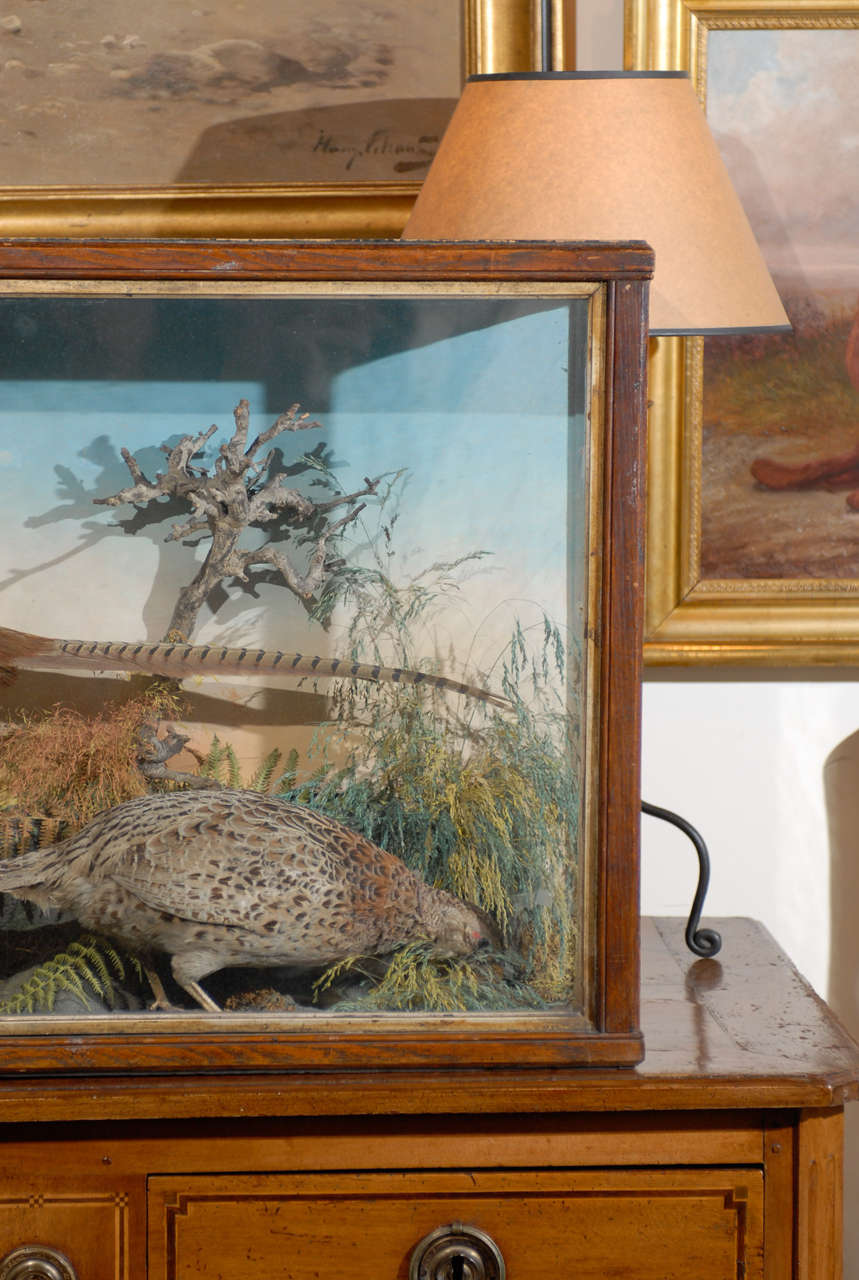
[456, 1252]
[459, 1261]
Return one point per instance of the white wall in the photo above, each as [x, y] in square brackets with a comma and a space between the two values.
[743, 761]
[742, 756]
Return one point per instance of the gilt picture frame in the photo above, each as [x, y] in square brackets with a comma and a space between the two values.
[751, 539]
[266, 120]
[411, 365]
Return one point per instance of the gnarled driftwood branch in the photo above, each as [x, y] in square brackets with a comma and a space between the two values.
[243, 489]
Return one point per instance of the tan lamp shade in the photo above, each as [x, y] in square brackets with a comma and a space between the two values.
[603, 156]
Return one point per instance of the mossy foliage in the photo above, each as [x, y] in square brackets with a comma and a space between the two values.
[68, 765]
[480, 802]
[417, 980]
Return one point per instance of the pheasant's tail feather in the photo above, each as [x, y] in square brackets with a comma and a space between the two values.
[16, 646]
[400, 675]
[176, 660]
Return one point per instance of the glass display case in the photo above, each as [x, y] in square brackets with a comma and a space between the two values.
[320, 656]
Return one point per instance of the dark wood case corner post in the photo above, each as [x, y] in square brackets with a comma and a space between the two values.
[618, 948]
[606, 1032]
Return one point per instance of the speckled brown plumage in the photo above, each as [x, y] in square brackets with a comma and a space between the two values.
[220, 878]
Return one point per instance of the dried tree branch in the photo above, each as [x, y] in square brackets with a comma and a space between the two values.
[233, 496]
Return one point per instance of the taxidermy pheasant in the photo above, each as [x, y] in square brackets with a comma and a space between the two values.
[177, 660]
[235, 878]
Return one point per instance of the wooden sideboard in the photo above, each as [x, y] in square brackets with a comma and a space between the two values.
[718, 1157]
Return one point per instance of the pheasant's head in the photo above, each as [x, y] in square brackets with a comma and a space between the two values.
[462, 928]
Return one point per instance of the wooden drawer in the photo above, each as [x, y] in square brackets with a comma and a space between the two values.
[89, 1224]
[645, 1223]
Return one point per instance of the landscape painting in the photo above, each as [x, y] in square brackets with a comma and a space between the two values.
[780, 447]
[129, 95]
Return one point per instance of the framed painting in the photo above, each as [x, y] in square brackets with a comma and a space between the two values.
[754, 443]
[350, 754]
[276, 117]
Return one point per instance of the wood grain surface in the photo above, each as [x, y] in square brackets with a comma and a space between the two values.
[743, 1031]
[718, 1156]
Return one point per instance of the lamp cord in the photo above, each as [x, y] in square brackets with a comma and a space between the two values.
[701, 942]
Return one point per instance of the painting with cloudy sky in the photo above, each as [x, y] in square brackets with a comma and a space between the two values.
[783, 106]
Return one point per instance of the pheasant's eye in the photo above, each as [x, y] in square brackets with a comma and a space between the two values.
[482, 943]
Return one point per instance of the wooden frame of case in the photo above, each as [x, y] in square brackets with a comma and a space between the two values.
[614, 278]
[496, 35]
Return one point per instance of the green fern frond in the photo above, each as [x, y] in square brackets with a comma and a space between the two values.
[234, 777]
[289, 777]
[261, 778]
[84, 969]
[212, 766]
[221, 764]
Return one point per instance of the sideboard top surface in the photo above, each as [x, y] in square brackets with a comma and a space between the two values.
[741, 1031]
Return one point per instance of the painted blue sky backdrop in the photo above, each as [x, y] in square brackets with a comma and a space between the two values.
[478, 419]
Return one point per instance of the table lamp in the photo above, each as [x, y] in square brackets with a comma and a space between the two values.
[604, 156]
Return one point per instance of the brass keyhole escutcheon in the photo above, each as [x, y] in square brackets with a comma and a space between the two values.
[36, 1262]
[456, 1252]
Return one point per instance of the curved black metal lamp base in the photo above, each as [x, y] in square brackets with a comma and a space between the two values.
[701, 942]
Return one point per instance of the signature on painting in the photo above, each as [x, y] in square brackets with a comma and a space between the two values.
[407, 156]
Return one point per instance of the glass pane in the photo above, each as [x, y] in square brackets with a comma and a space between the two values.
[349, 536]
